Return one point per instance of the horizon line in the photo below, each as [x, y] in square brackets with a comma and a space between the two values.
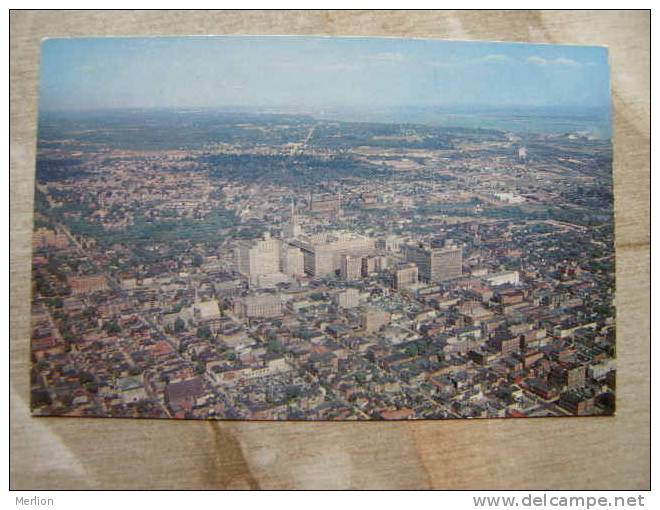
[330, 107]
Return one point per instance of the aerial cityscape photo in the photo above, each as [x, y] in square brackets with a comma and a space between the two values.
[318, 228]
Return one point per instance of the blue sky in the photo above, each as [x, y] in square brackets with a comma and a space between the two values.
[316, 72]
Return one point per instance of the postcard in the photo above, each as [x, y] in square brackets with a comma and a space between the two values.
[322, 228]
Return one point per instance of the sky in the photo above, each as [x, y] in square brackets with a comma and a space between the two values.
[315, 73]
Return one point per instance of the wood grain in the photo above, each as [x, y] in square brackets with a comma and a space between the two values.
[571, 453]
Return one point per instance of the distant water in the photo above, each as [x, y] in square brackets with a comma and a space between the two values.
[593, 121]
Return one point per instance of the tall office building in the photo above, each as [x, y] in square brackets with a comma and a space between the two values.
[258, 258]
[404, 275]
[292, 261]
[436, 264]
[373, 264]
[351, 267]
[323, 252]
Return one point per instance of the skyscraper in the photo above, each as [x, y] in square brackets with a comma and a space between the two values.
[404, 275]
[292, 261]
[258, 258]
[436, 264]
[351, 267]
[323, 252]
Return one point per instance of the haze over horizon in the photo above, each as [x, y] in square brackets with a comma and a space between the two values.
[317, 73]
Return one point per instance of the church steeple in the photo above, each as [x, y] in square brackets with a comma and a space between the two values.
[292, 229]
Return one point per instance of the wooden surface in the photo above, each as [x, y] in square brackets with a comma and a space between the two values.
[569, 453]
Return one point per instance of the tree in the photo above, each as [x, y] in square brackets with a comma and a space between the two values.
[85, 377]
[204, 332]
[112, 328]
[56, 302]
[274, 346]
[179, 325]
[412, 350]
[89, 312]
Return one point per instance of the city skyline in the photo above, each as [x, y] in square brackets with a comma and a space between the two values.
[365, 261]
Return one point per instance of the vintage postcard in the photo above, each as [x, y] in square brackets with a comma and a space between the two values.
[322, 228]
